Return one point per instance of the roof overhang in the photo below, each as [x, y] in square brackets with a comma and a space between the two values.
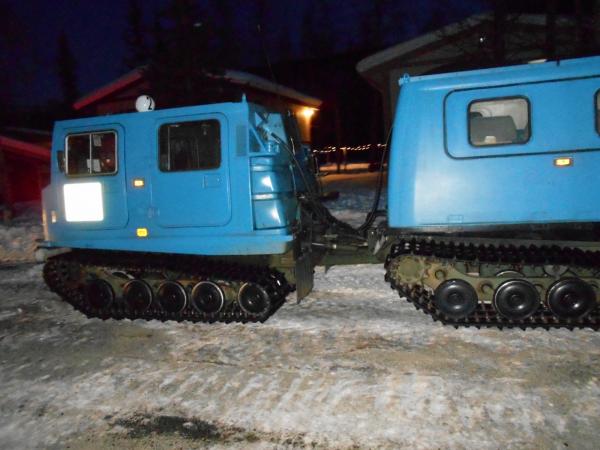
[24, 148]
[408, 48]
[232, 76]
[120, 83]
[262, 84]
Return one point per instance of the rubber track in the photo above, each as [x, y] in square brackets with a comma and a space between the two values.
[485, 315]
[62, 274]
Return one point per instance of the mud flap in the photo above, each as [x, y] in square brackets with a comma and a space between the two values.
[304, 276]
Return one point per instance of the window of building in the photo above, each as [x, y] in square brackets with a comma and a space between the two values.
[92, 153]
[190, 146]
[499, 121]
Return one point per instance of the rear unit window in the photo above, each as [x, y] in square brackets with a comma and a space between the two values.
[190, 146]
[93, 153]
[500, 121]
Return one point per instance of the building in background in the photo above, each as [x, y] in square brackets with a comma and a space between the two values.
[119, 96]
[351, 112]
[477, 42]
[24, 167]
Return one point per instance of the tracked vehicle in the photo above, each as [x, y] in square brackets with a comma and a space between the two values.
[210, 213]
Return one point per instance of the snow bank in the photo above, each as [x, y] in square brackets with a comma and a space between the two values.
[18, 239]
[356, 195]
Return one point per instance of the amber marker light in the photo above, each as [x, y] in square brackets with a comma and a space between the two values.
[138, 182]
[563, 162]
[142, 232]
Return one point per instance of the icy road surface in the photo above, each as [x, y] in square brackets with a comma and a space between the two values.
[352, 366]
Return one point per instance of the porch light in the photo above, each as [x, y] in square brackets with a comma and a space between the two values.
[307, 112]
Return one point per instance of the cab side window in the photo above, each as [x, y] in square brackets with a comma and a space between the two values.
[499, 121]
[92, 153]
[190, 146]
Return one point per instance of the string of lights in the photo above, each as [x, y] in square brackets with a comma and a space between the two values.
[358, 148]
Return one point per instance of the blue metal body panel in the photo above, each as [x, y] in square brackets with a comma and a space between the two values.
[246, 206]
[438, 179]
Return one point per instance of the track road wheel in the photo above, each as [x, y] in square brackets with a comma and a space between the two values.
[208, 298]
[254, 300]
[516, 299]
[171, 296]
[99, 294]
[455, 298]
[137, 295]
[571, 298]
[60, 275]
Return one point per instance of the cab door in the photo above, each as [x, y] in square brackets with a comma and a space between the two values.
[92, 174]
[190, 183]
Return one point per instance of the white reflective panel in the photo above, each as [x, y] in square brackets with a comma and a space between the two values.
[83, 202]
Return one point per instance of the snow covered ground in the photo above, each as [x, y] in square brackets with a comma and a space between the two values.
[352, 366]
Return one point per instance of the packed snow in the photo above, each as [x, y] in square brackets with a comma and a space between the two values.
[351, 366]
[18, 239]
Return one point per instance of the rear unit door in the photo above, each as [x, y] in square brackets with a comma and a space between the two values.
[190, 183]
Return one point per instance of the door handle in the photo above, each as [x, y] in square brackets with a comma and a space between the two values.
[211, 181]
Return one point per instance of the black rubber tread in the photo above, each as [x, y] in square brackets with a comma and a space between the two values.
[485, 315]
[59, 270]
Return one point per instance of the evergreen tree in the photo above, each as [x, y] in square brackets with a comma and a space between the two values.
[12, 43]
[262, 47]
[317, 34]
[285, 50]
[135, 37]
[67, 71]
[374, 25]
[182, 65]
[438, 17]
[226, 43]
[587, 26]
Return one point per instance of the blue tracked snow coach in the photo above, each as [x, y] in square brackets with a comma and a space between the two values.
[210, 213]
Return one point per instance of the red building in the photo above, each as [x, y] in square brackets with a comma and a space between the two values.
[24, 167]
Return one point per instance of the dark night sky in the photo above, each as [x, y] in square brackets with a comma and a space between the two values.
[95, 30]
